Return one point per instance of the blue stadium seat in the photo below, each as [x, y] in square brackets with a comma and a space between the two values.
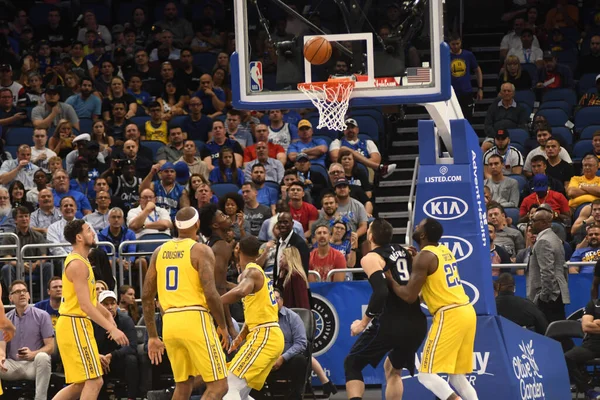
[199, 145]
[567, 95]
[568, 57]
[588, 131]
[323, 131]
[362, 167]
[512, 212]
[177, 121]
[555, 116]
[587, 116]
[525, 96]
[153, 145]
[518, 136]
[367, 125]
[125, 11]
[563, 105]
[521, 180]
[374, 113]
[564, 134]
[86, 124]
[141, 123]
[581, 148]
[319, 169]
[221, 189]
[578, 210]
[18, 136]
[586, 82]
[12, 150]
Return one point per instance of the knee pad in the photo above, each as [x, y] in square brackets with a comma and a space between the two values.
[352, 369]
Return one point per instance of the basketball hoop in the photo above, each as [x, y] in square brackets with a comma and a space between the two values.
[331, 99]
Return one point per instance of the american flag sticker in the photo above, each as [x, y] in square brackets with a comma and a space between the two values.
[256, 76]
[418, 75]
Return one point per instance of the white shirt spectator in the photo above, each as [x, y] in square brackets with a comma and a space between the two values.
[56, 234]
[513, 41]
[563, 154]
[527, 56]
[72, 157]
[39, 219]
[43, 164]
[371, 146]
[158, 214]
[17, 89]
[512, 158]
[174, 54]
[102, 30]
[24, 175]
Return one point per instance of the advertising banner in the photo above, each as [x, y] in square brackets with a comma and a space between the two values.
[451, 191]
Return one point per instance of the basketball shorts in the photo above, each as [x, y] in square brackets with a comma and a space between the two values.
[399, 339]
[193, 345]
[449, 345]
[255, 359]
[78, 349]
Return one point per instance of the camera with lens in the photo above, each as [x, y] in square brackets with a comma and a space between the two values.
[286, 48]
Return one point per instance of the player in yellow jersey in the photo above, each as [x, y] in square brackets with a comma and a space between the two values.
[253, 363]
[78, 308]
[449, 345]
[181, 271]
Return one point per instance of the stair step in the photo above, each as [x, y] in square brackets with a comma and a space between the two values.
[397, 183]
[405, 143]
[417, 116]
[400, 231]
[412, 129]
[393, 214]
[391, 199]
[402, 157]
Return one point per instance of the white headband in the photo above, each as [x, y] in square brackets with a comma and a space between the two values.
[189, 223]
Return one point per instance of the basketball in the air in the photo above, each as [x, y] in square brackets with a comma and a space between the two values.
[317, 50]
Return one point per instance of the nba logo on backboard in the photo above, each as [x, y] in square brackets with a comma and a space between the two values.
[256, 76]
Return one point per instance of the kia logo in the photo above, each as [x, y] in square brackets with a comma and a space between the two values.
[461, 248]
[445, 208]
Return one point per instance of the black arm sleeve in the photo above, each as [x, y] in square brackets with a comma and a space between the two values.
[379, 295]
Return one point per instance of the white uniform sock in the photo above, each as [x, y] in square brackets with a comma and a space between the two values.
[436, 385]
[238, 388]
[463, 387]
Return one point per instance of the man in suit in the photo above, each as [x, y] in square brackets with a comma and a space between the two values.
[547, 275]
[288, 238]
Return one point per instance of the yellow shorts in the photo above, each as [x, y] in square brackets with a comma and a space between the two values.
[78, 349]
[193, 346]
[258, 354]
[449, 344]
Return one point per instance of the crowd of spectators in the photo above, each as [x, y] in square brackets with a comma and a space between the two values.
[122, 125]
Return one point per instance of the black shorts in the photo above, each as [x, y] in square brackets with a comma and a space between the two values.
[401, 339]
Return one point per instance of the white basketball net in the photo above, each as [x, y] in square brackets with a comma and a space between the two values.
[331, 99]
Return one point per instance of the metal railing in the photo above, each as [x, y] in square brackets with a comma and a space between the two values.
[124, 254]
[411, 201]
[24, 258]
[14, 249]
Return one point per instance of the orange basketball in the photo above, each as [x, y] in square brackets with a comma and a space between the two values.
[317, 50]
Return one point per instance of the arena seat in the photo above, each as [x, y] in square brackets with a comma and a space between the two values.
[328, 139]
[177, 121]
[221, 189]
[531, 69]
[586, 82]
[518, 136]
[513, 213]
[588, 132]
[319, 169]
[274, 185]
[368, 126]
[153, 145]
[140, 122]
[18, 136]
[86, 124]
[567, 95]
[519, 147]
[205, 61]
[564, 134]
[563, 105]
[555, 116]
[521, 180]
[150, 247]
[587, 116]
[12, 150]
[101, 12]
[525, 96]
[581, 148]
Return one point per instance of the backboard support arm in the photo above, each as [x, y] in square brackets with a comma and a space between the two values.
[441, 113]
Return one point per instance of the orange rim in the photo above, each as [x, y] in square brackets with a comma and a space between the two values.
[333, 84]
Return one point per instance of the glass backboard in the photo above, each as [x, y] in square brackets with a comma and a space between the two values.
[396, 54]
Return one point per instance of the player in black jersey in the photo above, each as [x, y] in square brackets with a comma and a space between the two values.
[397, 328]
[214, 225]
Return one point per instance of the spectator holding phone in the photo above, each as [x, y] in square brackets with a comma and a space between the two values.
[10, 115]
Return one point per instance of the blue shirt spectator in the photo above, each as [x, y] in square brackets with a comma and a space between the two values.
[586, 254]
[267, 196]
[85, 107]
[462, 65]
[197, 127]
[81, 200]
[306, 142]
[116, 238]
[212, 149]
[142, 99]
[293, 332]
[207, 105]
[216, 176]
